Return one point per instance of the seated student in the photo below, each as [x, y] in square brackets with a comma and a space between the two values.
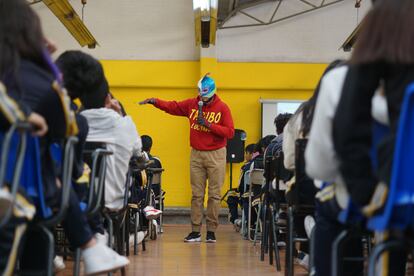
[11, 113]
[375, 60]
[233, 199]
[257, 162]
[149, 211]
[298, 127]
[28, 73]
[248, 153]
[106, 124]
[322, 164]
[276, 145]
[273, 150]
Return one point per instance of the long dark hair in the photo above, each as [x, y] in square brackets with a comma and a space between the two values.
[307, 108]
[21, 37]
[387, 33]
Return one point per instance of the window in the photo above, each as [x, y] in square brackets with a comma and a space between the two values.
[271, 108]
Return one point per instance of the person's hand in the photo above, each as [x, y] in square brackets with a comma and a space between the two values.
[378, 200]
[148, 101]
[203, 122]
[50, 46]
[114, 105]
[39, 124]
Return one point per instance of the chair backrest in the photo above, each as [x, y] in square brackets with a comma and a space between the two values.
[281, 172]
[88, 151]
[257, 177]
[94, 155]
[12, 152]
[399, 207]
[31, 179]
[153, 175]
[156, 178]
[68, 156]
[8, 107]
[156, 163]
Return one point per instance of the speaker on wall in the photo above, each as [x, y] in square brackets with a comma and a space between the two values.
[205, 33]
[235, 147]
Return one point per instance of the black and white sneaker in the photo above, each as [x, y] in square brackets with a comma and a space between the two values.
[211, 237]
[193, 237]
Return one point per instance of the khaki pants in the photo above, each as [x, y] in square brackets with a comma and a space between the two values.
[205, 165]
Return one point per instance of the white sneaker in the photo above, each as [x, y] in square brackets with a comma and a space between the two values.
[58, 264]
[281, 244]
[151, 213]
[303, 260]
[100, 259]
[309, 224]
[237, 225]
[102, 238]
[140, 238]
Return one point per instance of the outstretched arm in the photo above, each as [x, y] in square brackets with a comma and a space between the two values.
[171, 107]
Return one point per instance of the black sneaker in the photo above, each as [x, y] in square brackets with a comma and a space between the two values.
[193, 237]
[211, 237]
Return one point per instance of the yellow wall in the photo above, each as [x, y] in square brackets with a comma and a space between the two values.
[240, 85]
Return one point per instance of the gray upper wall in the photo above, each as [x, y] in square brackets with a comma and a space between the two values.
[164, 30]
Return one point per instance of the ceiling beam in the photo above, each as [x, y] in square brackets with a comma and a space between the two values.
[64, 11]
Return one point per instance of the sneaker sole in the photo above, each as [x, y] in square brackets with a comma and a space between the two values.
[153, 216]
[211, 241]
[193, 240]
[106, 271]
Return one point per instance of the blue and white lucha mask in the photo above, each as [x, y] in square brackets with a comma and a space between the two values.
[206, 87]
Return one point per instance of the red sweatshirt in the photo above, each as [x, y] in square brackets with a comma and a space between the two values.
[216, 112]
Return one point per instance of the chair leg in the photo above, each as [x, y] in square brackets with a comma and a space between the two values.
[110, 229]
[336, 252]
[126, 233]
[143, 245]
[312, 271]
[136, 233]
[270, 240]
[50, 250]
[242, 229]
[369, 244]
[256, 230]
[161, 208]
[264, 233]
[120, 239]
[289, 243]
[143, 241]
[412, 255]
[250, 238]
[267, 236]
[275, 241]
[76, 268]
[249, 217]
[378, 250]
